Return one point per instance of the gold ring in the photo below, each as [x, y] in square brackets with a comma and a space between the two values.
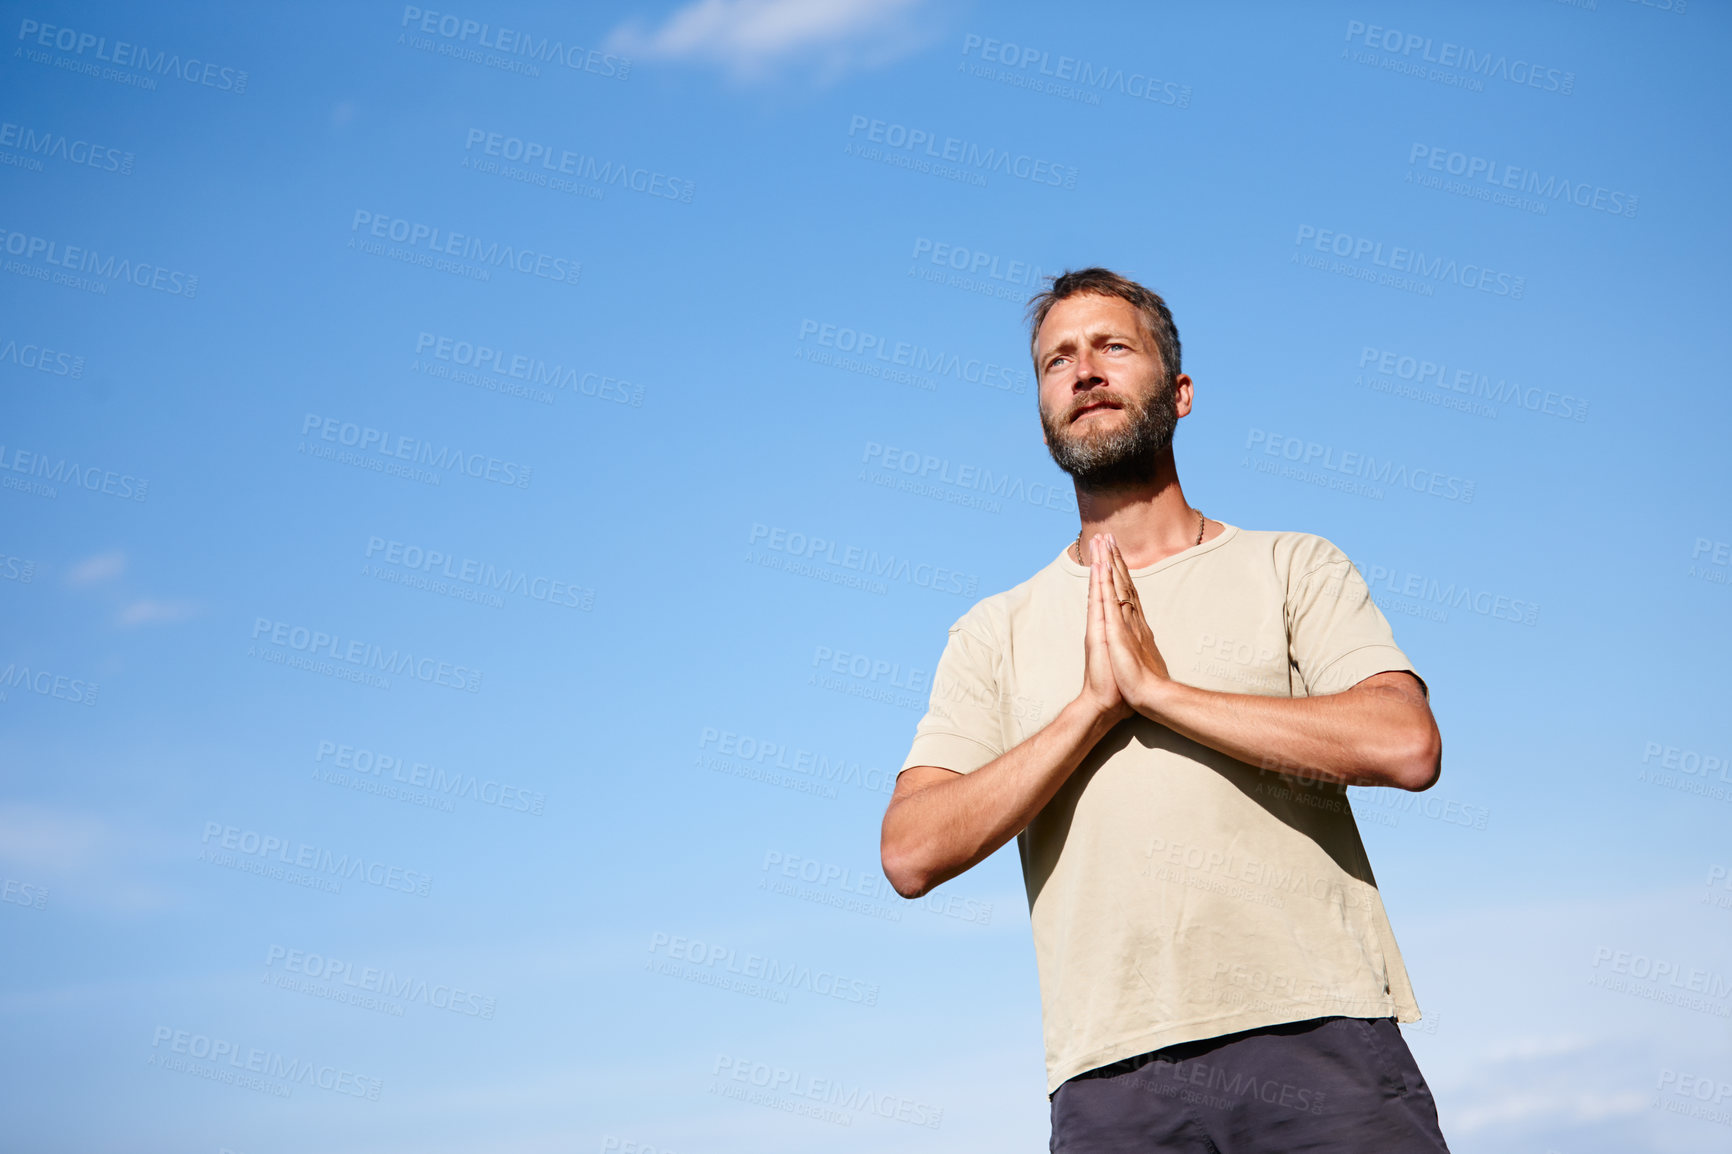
[1127, 602]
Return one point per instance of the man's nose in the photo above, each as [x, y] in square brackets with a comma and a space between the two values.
[1086, 373]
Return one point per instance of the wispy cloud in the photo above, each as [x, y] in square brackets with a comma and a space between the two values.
[1558, 1107]
[752, 38]
[35, 837]
[148, 612]
[85, 859]
[97, 569]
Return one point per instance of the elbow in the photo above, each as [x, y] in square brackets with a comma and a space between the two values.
[908, 875]
[1421, 764]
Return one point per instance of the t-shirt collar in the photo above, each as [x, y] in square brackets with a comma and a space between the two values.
[1228, 532]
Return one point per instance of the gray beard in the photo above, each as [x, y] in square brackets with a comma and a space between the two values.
[1128, 456]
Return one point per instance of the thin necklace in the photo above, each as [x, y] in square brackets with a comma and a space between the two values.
[1201, 523]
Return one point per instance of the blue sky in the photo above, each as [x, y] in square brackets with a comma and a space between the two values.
[419, 428]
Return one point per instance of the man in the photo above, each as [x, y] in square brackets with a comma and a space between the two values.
[1166, 717]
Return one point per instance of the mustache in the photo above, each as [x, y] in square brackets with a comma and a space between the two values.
[1112, 402]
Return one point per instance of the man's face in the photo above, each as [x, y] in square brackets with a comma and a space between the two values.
[1105, 411]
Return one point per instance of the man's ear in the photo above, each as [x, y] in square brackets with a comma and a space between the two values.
[1184, 399]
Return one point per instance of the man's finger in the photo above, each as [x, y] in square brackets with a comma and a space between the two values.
[1111, 611]
[1107, 616]
[1123, 589]
[1122, 572]
[1095, 601]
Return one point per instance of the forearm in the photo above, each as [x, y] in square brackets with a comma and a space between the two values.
[1369, 735]
[936, 832]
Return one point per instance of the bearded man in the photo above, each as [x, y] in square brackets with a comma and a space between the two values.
[1217, 972]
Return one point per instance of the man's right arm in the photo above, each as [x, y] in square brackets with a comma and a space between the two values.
[941, 823]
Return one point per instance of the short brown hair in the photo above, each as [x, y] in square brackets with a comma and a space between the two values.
[1156, 317]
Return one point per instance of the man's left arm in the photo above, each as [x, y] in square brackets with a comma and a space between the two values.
[1377, 731]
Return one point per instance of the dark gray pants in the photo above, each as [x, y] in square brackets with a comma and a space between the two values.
[1341, 1085]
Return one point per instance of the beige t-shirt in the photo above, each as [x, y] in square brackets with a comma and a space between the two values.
[1177, 893]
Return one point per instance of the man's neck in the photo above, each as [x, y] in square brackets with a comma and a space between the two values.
[1150, 522]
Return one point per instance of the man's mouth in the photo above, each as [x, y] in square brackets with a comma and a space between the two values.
[1095, 407]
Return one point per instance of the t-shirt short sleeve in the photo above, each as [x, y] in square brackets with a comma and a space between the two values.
[1337, 636]
[963, 727]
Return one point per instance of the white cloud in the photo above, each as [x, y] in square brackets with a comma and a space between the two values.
[1559, 1108]
[148, 612]
[33, 837]
[1528, 1048]
[84, 859]
[749, 37]
[93, 570]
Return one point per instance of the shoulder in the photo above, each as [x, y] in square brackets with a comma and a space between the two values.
[989, 618]
[1295, 555]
